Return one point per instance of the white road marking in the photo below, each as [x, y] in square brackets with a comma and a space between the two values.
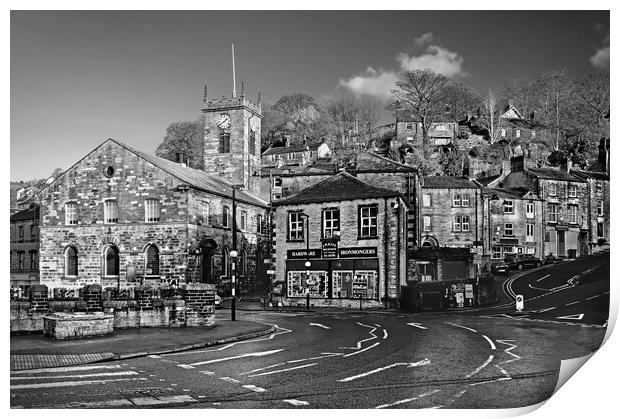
[72, 383]
[507, 350]
[593, 297]
[271, 336]
[323, 355]
[154, 356]
[463, 327]
[296, 402]
[187, 367]
[574, 302]
[254, 388]
[359, 344]
[228, 358]
[385, 334]
[149, 401]
[490, 342]
[361, 350]
[477, 370]
[407, 400]
[572, 317]
[320, 325]
[540, 279]
[491, 381]
[545, 309]
[418, 325]
[101, 374]
[425, 361]
[67, 369]
[229, 379]
[284, 370]
[207, 372]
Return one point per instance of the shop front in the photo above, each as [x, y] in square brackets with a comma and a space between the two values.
[351, 273]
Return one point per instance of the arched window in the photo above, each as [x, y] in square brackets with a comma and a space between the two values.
[152, 259]
[225, 261]
[110, 261]
[71, 262]
[243, 263]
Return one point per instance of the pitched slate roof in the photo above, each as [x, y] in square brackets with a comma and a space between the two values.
[585, 174]
[486, 180]
[552, 173]
[284, 150]
[508, 193]
[27, 214]
[448, 182]
[340, 187]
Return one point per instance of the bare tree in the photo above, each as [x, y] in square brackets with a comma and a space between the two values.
[423, 94]
[352, 117]
[461, 100]
[492, 117]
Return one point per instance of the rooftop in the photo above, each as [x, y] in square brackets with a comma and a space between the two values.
[284, 150]
[340, 187]
[585, 174]
[27, 214]
[448, 182]
[552, 173]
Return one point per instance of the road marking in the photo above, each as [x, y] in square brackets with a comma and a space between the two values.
[271, 336]
[154, 356]
[228, 358]
[574, 302]
[67, 369]
[359, 344]
[385, 334]
[207, 372]
[187, 367]
[593, 297]
[418, 325]
[101, 374]
[546, 276]
[572, 317]
[320, 325]
[407, 400]
[323, 355]
[229, 379]
[606, 292]
[490, 342]
[463, 327]
[480, 368]
[361, 350]
[507, 350]
[545, 309]
[149, 401]
[72, 383]
[491, 381]
[254, 388]
[296, 402]
[425, 361]
[284, 370]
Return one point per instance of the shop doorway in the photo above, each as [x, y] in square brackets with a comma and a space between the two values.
[561, 243]
[207, 248]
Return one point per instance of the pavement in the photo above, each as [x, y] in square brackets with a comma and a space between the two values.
[36, 351]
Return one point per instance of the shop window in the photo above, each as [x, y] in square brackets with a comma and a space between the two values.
[331, 223]
[71, 261]
[341, 284]
[497, 252]
[299, 284]
[367, 221]
[152, 260]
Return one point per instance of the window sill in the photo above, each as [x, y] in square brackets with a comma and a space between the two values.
[367, 237]
[295, 241]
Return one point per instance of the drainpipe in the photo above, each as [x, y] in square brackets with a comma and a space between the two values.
[398, 249]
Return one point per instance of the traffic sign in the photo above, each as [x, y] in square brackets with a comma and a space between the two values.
[270, 272]
[519, 302]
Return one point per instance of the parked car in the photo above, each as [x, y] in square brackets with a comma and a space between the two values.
[522, 261]
[500, 267]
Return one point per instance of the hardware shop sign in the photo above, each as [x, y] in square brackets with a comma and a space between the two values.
[304, 254]
[358, 252]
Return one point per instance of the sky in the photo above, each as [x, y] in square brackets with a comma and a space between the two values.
[79, 78]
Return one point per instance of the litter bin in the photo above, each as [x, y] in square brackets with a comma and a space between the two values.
[572, 253]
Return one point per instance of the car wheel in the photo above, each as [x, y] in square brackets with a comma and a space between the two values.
[520, 267]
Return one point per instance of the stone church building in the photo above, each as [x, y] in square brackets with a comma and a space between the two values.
[120, 217]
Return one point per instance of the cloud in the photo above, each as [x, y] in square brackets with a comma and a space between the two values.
[372, 82]
[380, 83]
[600, 59]
[435, 58]
[423, 39]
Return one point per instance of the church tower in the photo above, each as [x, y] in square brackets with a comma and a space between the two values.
[232, 136]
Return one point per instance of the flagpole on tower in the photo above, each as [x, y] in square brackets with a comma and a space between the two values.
[234, 92]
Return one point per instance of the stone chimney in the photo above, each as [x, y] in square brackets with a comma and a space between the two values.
[181, 158]
[505, 169]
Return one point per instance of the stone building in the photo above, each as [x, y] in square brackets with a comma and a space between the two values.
[119, 217]
[564, 214]
[441, 132]
[598, 209]
[351, 233]
[512, 223]
[24, 248]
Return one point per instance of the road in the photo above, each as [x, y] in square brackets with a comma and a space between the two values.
[489, 358]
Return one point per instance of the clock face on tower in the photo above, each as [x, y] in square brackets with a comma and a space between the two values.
[223, 121]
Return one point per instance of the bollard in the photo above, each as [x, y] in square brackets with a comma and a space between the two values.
[308, 301]
[360, 303]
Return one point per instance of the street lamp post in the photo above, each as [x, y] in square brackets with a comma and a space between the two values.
[307, 264]
[233, 253]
